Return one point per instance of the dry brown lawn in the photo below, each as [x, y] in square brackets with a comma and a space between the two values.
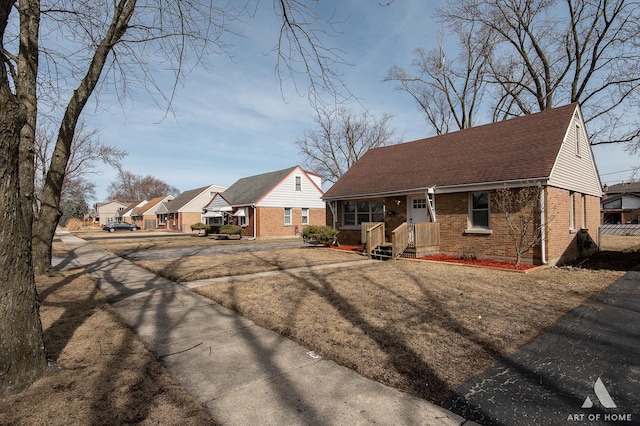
[200, 267]
[122, 242]
[417, 326]
[100, 373]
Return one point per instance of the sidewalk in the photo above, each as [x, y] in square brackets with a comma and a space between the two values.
[243, 373]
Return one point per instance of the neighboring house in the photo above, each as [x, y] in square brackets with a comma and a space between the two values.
[186, 209]
[270, 205]
[621, 203]
[451, 180]
[107, 211]
[129, 214]
[147, 214]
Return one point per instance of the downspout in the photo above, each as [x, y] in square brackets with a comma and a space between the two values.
[543, 226]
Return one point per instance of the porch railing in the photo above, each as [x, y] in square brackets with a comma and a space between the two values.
[426, 235]
[400, 240]
[372, 235]
[416, 236]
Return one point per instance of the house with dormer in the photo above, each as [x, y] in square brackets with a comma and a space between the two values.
[445, 187]
[276, 204]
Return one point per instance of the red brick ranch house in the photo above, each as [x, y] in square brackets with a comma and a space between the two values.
[446, 186]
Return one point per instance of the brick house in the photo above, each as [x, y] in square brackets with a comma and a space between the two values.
[270, 205]
[621, 203]
[130, 213]
[147, 214]
[448, 183]
[186, 209]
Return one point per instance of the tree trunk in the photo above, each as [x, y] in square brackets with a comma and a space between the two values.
[49, 213]
[22, 353]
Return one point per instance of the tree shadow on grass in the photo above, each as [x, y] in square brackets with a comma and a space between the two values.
[128, 385]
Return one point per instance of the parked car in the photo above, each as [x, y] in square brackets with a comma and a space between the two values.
[120, 226]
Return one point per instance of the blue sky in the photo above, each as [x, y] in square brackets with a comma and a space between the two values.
[236, 120]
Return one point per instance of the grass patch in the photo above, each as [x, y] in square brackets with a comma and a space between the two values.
[129, 242]
[422, 328]
[102, 374]
[201, 267]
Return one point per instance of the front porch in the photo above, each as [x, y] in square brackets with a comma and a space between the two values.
[409, 240]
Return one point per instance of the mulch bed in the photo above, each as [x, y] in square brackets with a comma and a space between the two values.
[357, 249]
[609, 260]
[478, 262]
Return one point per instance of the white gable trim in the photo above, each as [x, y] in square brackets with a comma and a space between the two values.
[284, 193]
[575, 169]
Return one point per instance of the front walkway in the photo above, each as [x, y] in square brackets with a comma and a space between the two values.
[243, 373]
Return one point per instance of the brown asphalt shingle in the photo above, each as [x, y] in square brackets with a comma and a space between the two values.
[519, 149]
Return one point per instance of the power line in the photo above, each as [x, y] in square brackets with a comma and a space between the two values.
[614, 173]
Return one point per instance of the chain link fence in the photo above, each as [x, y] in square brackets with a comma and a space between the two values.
[619, 237]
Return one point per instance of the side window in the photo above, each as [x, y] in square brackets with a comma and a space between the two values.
[298, 183]
[287, 216]
[572, 211]
[479, 211]
[305, 216]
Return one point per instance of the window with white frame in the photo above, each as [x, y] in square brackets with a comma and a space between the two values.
[287, 216]
[583, 207]
[572, 214]
[298, 183]
[305, 216]
[479, 210]
[356, 212]
[578, 141]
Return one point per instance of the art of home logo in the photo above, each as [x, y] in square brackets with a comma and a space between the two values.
[603, 396]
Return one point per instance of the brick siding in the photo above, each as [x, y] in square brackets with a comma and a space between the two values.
[271, 221]
[452, 212]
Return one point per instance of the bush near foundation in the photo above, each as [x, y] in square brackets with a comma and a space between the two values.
[321, 234]
[231, 229]
[200, 227]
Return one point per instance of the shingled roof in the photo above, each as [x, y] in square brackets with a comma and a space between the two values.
[519, 149]
[250, 190]
[185, 197]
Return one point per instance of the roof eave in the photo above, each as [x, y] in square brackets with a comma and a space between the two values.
[447, 189]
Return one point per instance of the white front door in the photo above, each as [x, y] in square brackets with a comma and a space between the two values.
[417, 210]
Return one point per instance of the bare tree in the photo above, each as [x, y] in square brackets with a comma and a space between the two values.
[522, 211]
[340, 139]
[86, 151]
[87, 46]
[131, 187]
[549, 52]
[448, 89]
